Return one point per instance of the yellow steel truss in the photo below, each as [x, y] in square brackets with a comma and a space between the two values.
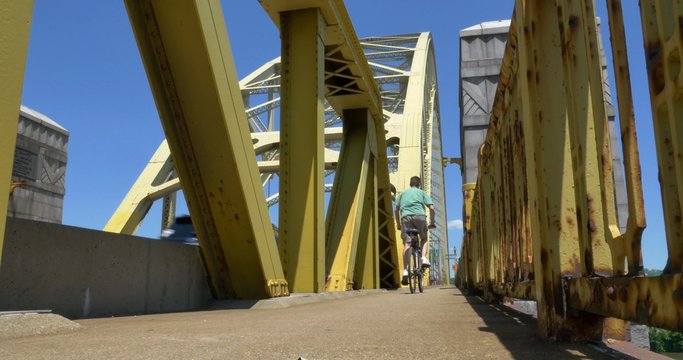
[319, 44]
[154, 183]
[418, 130]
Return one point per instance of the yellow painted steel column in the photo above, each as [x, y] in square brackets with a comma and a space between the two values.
[187, 56]
[347, 203]
[133, 208]
[587, 125]
[366, 275]
[465, 266]
[15, 27]
[661, 29]
[631, 243]
[549, 171]
[302, 182]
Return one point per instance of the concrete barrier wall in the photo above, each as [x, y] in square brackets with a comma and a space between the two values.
[82, 273]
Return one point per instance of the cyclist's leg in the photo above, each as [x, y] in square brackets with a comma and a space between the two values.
[406, 250]
[420, 224]
[405, 224]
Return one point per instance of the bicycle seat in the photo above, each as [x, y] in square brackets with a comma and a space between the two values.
[412, 232]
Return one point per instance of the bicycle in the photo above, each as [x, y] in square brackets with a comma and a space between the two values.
[415, 268]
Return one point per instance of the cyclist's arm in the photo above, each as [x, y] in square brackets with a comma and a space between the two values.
[397, 217]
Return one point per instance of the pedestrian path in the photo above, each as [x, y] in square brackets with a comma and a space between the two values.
[438, 324]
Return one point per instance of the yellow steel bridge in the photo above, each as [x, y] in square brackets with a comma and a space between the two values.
[336, 113]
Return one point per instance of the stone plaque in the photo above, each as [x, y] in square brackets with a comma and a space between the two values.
[25, 164]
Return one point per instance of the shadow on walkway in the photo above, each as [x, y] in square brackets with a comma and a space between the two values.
[517, 331]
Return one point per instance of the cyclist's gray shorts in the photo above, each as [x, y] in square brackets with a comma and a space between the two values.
[418, 222]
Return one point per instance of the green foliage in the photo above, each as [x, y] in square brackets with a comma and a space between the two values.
[652, 272]
[665, 341]
[662, 340]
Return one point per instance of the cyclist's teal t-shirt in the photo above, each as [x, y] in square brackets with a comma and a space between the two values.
[412, 201]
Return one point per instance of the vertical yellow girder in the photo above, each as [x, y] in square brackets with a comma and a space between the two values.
[663, 46]
[589, 136]
[349, 214]
[302, 182]
[630, 244]
[552, 199]
[189, 64]
[465, 266]
[15, 27]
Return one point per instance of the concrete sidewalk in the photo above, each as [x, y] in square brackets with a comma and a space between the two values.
[439, 324]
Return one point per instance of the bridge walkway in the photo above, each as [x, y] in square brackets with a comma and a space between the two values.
[371, 325]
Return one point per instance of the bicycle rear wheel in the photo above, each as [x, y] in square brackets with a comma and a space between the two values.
[419, 270]
[420, 279]
[411, 270]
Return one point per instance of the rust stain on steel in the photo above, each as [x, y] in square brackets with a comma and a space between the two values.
[655, 66]
[653, 301]
[502, 216]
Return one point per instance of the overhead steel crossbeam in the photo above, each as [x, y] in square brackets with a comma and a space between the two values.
[195, 87]
[550, 233]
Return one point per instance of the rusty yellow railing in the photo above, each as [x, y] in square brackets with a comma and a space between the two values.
[541, 220]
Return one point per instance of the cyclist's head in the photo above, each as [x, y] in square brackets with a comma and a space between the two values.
[415, 181]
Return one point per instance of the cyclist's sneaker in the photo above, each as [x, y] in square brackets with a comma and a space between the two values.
[404, 281]
[425, 262]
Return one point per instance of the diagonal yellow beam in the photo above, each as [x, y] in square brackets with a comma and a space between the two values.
[366, 271]
[133, 208]
[347, 204]
[187, 56]
[15, 26]
[157, 180]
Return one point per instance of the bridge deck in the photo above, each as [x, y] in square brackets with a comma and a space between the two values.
[354, 327]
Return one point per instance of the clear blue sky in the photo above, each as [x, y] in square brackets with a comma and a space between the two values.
[84, 71]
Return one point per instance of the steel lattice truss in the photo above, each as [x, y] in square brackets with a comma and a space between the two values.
[394, 60]
[405, 73]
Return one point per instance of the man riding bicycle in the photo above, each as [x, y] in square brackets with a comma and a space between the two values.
[410, 209]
